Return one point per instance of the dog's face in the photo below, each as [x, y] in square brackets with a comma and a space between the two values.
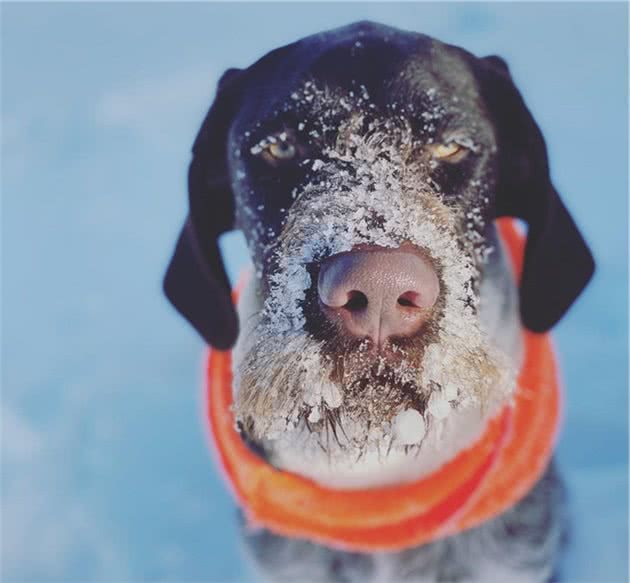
[365, 167]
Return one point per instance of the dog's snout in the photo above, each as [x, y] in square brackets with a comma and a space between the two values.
[378, 292]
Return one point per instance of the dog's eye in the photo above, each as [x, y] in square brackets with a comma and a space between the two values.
[277, 149]
[282, 150]
[448, 152]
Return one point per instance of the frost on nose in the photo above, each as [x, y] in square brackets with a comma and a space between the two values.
[378, 292]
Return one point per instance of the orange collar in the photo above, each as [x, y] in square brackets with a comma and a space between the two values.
[477, 484]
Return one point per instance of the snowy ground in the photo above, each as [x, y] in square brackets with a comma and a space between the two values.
[106, 475]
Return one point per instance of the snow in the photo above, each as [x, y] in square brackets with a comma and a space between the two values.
[408, 427]
[439, 406]
[385, 201]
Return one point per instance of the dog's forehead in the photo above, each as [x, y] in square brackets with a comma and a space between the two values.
[390, 65]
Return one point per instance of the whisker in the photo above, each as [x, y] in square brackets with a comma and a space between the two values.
[391, 442]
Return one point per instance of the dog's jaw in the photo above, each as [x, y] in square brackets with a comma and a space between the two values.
[297, 451]
[377, 467]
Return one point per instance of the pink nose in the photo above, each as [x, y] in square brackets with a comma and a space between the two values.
[378, 292]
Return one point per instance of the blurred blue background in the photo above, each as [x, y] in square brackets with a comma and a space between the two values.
[106, 474]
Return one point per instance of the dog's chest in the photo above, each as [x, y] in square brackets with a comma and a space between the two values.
[519, 546]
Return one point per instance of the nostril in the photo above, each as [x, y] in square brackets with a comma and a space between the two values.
[356, 301]
[409, 299]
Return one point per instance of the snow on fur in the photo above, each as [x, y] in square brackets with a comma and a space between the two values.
[368, 188]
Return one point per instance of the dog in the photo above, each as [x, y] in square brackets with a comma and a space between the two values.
[382, 326]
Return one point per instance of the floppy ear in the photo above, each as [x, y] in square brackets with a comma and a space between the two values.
[196, 282]
[557, 263]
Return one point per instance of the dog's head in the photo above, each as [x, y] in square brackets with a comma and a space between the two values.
[365, 167]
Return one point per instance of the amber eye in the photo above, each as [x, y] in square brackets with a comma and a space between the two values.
[448, 152]
[282, 150]
[278, 149]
